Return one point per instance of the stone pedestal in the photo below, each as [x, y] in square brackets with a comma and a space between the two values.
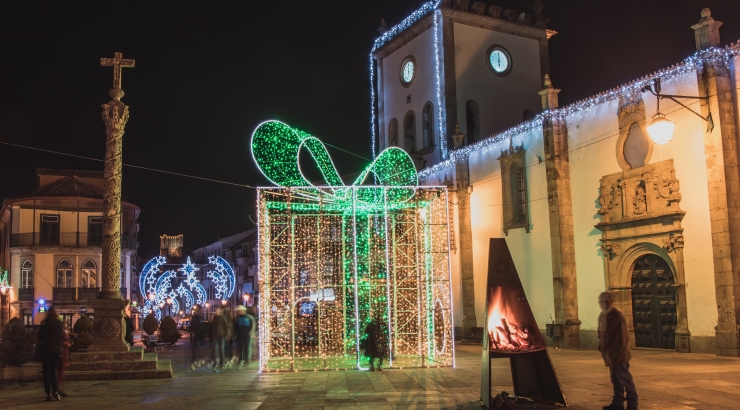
[109, 326]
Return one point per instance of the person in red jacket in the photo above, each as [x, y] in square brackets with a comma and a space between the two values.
[614, 346]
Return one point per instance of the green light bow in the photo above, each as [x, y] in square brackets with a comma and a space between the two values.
[276, 147]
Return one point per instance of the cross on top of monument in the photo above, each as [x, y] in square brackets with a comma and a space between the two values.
[117, 63]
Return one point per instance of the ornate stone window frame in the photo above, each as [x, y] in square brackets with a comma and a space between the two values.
[512, 158]
[631, 111]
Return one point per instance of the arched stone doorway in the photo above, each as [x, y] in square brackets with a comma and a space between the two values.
[654, 303]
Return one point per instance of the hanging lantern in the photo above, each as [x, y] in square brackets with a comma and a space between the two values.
[661, 129]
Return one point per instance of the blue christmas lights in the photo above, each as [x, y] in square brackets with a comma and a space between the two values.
[223, 277]
[190, 290]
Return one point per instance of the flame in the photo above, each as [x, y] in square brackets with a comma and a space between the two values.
[504, 330]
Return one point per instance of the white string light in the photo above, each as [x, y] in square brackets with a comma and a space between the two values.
[689, 65]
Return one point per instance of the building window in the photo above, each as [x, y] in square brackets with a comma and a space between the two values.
[89, 275]
[428, 118]
[472, 122]
[64, 274]
[393, 133]
[122, 275]
[518, 187]
[514, 186]
[409, 132]
[49, 230]
[27, 274]
[95, 231]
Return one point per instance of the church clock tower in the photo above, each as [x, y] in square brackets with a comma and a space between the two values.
[456, 63]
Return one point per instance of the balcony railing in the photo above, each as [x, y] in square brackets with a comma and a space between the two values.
[25, 294]
[65, 294]
[68, 239]
[87, 293]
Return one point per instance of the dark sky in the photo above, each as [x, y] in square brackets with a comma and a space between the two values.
[208, 72]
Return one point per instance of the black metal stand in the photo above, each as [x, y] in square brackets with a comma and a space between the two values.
[532, 374]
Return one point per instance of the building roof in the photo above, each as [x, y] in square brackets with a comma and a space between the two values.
[71, 186]
[235, 239]
[69, 173]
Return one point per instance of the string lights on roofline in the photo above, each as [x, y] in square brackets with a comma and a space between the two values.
[689, 65]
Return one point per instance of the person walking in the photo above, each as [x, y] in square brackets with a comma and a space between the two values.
[64, 363]
[373, 343]
[129, 333]
[250, 351]
[195, 335]
[614, 346]
[218, 337]
[49, 341]
[230, 336]
[243, 327]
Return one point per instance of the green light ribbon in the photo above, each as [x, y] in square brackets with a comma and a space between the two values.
[276, 147]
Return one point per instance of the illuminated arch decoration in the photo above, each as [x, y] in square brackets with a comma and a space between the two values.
[149, 274]
[190, 290]
[186, 295]
[334, 258]
[223, 277]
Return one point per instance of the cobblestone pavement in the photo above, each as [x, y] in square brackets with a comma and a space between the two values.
[665, 380]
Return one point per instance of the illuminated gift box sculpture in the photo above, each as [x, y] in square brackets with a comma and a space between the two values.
[334, 258]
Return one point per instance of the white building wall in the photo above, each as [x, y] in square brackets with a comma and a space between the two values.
[592, 138]
[422, 90]
[531, 251]
[502, 100]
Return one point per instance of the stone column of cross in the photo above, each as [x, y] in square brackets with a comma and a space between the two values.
[109, 325]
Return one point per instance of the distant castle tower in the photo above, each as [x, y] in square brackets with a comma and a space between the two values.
[170, 246]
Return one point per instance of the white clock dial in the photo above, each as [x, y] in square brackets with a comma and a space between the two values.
[408, 70]
[499, 61]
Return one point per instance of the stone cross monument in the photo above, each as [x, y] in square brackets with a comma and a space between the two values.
[109, 325]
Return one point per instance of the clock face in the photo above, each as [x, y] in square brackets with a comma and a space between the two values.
[408, 70]
[499, 61]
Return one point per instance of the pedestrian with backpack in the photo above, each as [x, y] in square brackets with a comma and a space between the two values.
[243, 329]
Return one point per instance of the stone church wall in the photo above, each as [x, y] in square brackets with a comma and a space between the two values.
[423, 89]
[474, 80]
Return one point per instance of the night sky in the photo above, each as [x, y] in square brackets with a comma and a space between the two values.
[208, 72]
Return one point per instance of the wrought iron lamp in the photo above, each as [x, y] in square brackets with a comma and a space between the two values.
[661, 128]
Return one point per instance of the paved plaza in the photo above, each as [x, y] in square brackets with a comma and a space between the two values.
[665, 380]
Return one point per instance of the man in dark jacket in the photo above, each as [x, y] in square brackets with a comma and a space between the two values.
[614, 346]
[218, 337]
[195, 333]
[243, 330]
[49, 344]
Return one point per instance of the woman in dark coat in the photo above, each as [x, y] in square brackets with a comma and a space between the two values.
[129, 333]
[50, 345]
[374, 343]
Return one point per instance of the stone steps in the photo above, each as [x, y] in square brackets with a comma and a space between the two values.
[136, 353]
[134, 364]
[148, 363]
[163, 370]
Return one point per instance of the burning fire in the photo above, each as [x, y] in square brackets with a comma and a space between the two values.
[507, 324]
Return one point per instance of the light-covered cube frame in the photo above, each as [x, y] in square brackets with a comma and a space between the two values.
[329, 266]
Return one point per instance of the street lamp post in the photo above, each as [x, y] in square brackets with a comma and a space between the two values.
[169, 306]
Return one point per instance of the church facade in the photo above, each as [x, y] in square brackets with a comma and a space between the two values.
[634, 191]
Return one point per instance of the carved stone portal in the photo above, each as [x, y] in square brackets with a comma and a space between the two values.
[640, 215]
